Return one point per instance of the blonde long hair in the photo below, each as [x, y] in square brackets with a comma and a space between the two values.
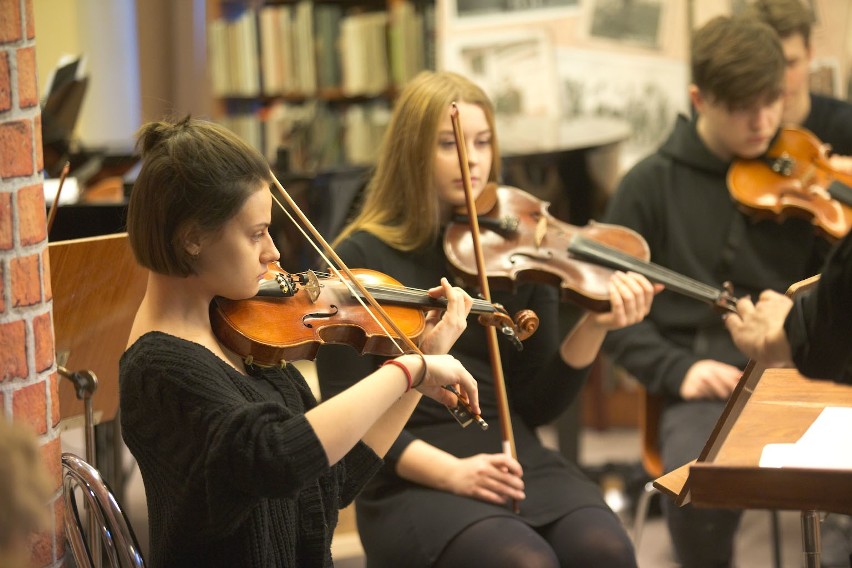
[401, 203]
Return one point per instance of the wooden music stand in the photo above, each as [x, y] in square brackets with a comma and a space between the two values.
[97, 287]
[767, 406]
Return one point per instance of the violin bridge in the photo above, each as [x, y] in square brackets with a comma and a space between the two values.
[312, 286]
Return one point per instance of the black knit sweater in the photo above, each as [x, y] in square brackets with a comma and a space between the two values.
[234, 474]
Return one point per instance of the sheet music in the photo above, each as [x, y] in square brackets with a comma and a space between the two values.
[825, 445]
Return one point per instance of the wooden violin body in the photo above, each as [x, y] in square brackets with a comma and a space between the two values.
[795, 179]
[296, 313]
[523, 242]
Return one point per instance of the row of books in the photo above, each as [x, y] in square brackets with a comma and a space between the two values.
[314, 135]
[312, 49]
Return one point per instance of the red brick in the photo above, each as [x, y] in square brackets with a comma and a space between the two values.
[10, 21]
[51, 455]
[13, 355]
[45, 274]
[48, 545]
[27, 78]
[26, 280]
[5, 83]
[6, 240]
[16, 148]
[55, 410]
[30, 19]
[43, 334]
[32, 220]
[39, 149]
[59, 506]
[29, 406]
[2, 288]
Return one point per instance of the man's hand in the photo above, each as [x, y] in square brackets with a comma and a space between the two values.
[709, 379]
[758, 329]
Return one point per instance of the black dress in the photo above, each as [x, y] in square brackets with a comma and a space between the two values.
[404, 523]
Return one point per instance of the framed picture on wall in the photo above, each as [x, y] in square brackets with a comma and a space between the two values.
[516, 69]
[509, 11]
[633, 22]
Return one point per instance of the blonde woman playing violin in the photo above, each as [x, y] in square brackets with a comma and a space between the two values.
[446, 494]
[241, 466]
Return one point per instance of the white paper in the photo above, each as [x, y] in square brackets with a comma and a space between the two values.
[825, 445]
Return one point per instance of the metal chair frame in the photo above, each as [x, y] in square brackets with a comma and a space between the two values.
[117, 537]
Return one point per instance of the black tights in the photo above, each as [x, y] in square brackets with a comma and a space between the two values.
[586, 537]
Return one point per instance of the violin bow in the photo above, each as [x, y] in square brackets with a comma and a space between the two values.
[460, 414]
[52, 215]
[506, 432]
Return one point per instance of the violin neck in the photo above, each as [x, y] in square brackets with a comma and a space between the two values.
[412, 298]
[601, 254]
[841, 192]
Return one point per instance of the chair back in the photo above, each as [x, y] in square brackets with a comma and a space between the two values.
[116, 534]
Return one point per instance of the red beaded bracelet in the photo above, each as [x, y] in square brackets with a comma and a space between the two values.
[404, 370]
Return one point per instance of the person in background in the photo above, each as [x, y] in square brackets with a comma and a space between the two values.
[241, 465]
[446, 493]
[830, 119]
[678, 200]
[24, 493]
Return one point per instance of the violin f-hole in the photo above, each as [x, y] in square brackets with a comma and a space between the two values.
[319, 315]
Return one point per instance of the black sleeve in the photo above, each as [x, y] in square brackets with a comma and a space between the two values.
[819, 327]
[341, 366]
[655, 361]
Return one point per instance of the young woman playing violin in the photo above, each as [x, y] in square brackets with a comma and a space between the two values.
[444, 496]
[241, 466]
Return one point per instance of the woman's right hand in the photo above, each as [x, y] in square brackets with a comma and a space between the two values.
[442, 370]
[495, 478]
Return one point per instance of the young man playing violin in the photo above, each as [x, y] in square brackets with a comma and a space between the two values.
[678, 199]
[828, 118]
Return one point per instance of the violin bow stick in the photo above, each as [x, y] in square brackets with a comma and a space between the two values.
[52, 215]
[506, 432]
[464, 414]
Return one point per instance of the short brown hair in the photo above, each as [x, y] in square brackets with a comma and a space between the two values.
[194, 174]
[737, 61]
[787, 17]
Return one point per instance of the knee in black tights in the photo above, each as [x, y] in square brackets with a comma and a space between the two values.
[591, 536]
[498, 542]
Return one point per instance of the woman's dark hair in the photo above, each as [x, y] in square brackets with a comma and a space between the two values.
[195, 176]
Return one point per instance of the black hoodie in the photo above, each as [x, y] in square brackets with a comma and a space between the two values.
[677, 199]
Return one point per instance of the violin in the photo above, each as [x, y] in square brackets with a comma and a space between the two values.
[795, 178]
[524, 242]
[293, 314]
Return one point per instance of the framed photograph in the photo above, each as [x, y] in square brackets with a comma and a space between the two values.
[646, 92]
[633, 22]
[509, 11]
[516, 69]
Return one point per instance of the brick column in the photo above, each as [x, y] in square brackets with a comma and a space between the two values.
[28, 377]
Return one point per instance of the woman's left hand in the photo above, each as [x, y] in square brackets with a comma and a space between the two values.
[630, 295]
[444, 327]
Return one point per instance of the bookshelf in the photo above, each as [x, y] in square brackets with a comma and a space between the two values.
[310, 82]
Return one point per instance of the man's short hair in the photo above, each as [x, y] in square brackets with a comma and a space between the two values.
[787, 17]
[737, 61]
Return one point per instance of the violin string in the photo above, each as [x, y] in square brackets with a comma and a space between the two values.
[416, 293]
[337, 274]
